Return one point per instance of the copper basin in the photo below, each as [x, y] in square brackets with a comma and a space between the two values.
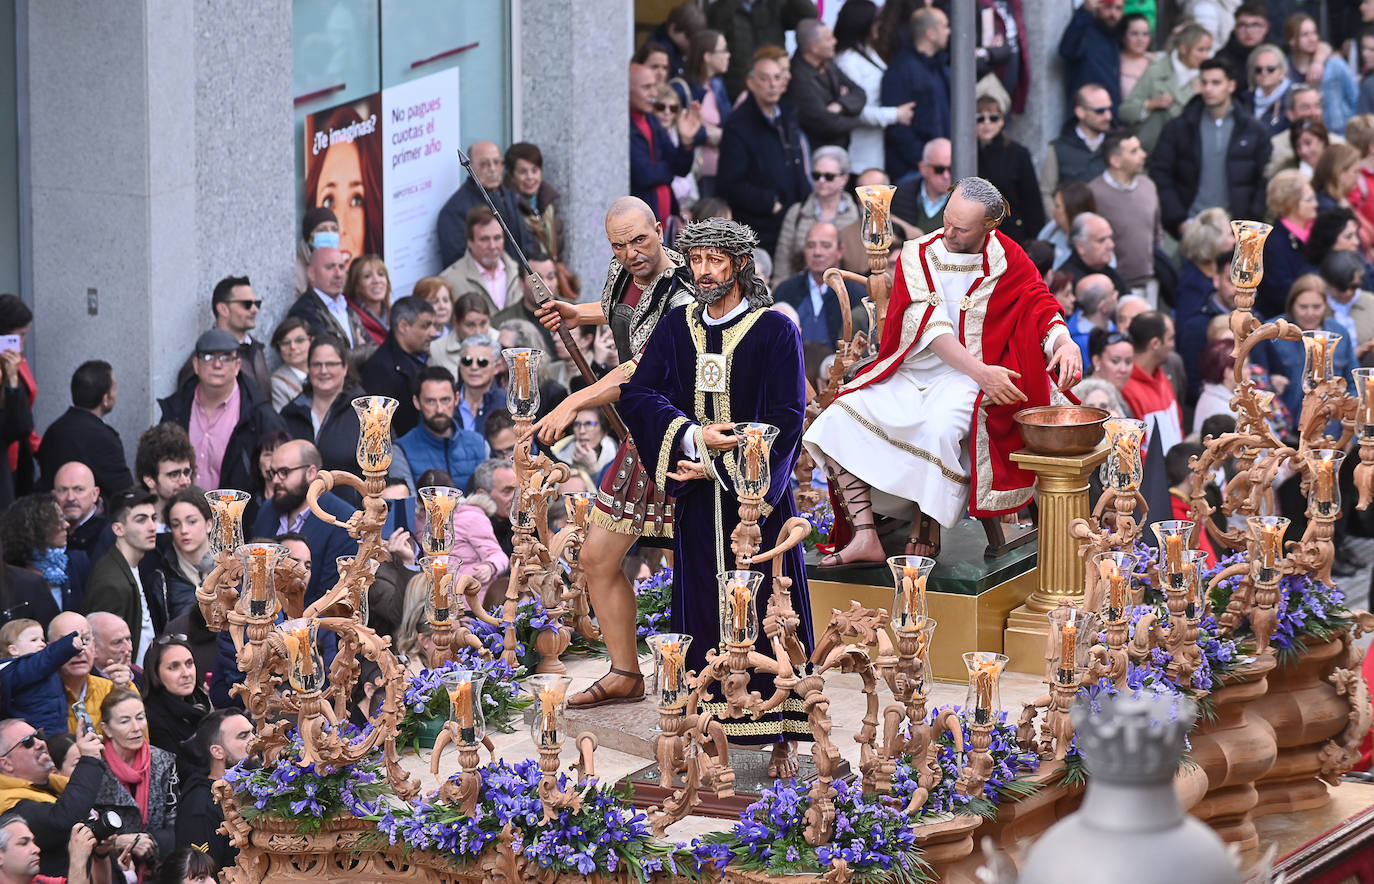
[1062, 429]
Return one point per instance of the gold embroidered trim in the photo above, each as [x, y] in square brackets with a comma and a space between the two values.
[730, 339]
[976, 314]
[1050, 332]
[771, 725]
[911, 320]
[665, 451]
[924, 455]
[941, 267]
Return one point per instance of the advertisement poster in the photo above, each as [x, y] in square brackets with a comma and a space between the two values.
[385, 164]
[420, 171]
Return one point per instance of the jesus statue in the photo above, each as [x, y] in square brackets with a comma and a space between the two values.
[925, 431]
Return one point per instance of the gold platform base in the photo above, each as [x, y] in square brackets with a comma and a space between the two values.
[1026, 640]
[967, 622]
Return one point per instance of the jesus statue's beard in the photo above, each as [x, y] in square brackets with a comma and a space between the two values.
[720, 288]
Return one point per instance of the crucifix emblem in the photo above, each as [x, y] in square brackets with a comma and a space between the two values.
[710, 373]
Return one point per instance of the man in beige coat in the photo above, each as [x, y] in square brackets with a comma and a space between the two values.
[485, 268]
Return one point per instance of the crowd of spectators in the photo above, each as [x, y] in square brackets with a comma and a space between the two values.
[113, 690]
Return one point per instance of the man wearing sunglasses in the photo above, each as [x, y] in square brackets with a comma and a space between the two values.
[1076, 155]
[235, 309]
[223, 413]
[50, 803]
[920, 201]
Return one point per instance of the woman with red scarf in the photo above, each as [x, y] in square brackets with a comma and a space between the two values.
[142, 778]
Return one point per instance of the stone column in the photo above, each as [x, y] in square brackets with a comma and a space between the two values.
[160, 159]
[1046, 108]
[574, 99]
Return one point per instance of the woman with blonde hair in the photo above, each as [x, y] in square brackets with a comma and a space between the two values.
[1169, 82]
[1293, 207]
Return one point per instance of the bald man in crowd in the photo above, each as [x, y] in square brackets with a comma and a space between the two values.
[645, 280]
[818, 310]
[488, 171]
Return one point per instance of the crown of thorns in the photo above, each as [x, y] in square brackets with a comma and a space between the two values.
[718, 233]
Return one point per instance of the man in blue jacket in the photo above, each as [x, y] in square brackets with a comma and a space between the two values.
[1090, 48]
[437, 443]
[654, 159]
[762, 169]
[919, 73]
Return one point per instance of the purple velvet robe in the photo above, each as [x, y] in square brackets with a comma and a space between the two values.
[766, 376]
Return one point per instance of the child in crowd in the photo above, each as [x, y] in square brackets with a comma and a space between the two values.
[29, 685]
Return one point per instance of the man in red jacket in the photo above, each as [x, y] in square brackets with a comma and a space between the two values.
[1149, 392]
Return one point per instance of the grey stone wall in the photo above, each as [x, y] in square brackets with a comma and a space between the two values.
[1046, 108]
[574, 97]
[160, 157]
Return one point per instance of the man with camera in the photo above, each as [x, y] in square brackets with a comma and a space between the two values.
[20, 856]
[49, 803]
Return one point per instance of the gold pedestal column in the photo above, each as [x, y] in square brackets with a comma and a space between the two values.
[1062, 486]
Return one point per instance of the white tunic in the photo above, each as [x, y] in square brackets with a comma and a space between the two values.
[907, 437]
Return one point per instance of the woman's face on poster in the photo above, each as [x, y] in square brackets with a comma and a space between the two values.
[341, 190]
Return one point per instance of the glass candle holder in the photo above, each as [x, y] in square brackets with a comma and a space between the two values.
[374, 432]
[522, 381]
[1193, 562]
[439, 502]
[1364, 415]
[1115, 569]
[1324, 491]
[1073, 632]
[258, 591]
[226, 519]
[305, 666]
[874, 333]
[984, 678]
[909, 577]
[1320, 349]
[550, 694]
[1247, 262]
[1267, 532]
[1173, 536]
[1122, 470]
[441, 602]
[464, 689]
[924, 636]
[755, 446]
[739, 616]
[360, 592]
[579, 507]
[670, 659]
[876, 223]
